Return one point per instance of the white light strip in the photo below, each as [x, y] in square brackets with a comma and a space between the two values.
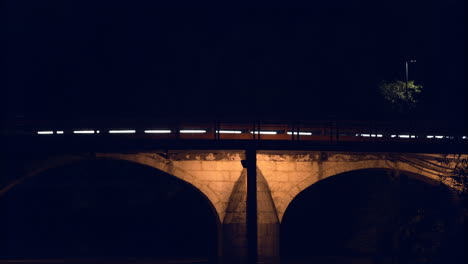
[45, 132]
[406, 136]
[439, 137]
[464, 137]
[264, 132]
[429, 136]
[370, 135]
[83, 131]
[192, 131]
[59, 132]
[229, 131]
[393, 136]
[121, 131]
[162, 131]
[301, 133]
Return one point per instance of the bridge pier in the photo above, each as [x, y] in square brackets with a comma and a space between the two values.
[268, 225]
[251, 225]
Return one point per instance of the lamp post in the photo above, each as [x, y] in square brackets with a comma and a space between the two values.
[407, 76]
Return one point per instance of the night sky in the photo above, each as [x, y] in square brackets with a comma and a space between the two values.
[126, 58]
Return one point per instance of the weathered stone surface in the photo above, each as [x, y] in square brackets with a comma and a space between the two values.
[189, 165]
[286, 166]
[203, 155]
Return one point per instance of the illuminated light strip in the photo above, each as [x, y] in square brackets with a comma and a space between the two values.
[439, 137]
[393, 136]
[45, 132]
[406, 136]
[301, 133]
[429, 136]
[369, 135]
[59, 132]
[161, 131]
[192, 131]
[464, 137]
[83, 131]
[229, 131]
[122, 131]
[264, 132]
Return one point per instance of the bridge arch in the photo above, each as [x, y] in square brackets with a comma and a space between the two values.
[149, 160]
[299, 181]
[328, 219]
[55, 168]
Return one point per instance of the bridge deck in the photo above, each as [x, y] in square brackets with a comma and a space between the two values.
[133, 135]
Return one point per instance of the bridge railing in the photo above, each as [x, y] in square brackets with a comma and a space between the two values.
[319, 130]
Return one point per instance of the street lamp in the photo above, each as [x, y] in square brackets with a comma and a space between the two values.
[411, 61]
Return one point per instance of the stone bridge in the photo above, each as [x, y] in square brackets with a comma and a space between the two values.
[221, 176]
